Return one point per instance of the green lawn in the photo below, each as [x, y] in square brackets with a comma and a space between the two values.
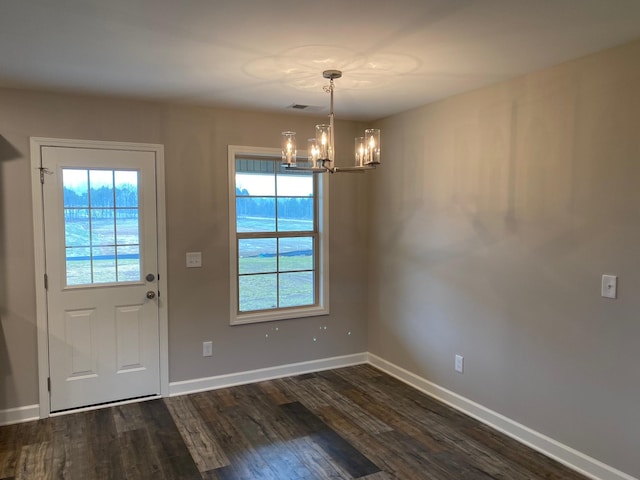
[96, 249]
[259, 284]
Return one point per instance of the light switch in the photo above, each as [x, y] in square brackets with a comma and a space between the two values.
[609, 286]
[194, 259]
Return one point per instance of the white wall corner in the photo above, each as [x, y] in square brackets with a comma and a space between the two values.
[581, 463]
[19, 414]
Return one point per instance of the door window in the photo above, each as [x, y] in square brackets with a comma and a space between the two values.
[101, 226]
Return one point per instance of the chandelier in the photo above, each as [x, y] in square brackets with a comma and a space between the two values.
[321, 150]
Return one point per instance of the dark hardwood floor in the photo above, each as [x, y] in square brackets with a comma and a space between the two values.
[354, 422]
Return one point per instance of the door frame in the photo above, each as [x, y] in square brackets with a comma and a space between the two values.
[37, 143]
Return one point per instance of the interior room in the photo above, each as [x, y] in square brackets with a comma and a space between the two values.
[487, 264]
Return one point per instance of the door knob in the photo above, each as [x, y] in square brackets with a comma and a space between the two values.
[151, 294]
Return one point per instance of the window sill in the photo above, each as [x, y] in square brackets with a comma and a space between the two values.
[282, 314]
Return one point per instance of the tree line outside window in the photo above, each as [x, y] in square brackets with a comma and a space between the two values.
[288, 207]
[125, 196]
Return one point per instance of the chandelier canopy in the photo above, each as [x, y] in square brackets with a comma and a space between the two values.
[321, 149]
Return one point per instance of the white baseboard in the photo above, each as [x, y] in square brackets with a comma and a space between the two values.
[251, 376]
[587, 466]
[19, 414]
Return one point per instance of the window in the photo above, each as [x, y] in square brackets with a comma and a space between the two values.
[278, 226]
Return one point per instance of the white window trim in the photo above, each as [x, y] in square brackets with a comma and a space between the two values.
[322, 308]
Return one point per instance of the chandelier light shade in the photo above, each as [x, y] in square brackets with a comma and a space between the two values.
[289, 148]
[321, 149]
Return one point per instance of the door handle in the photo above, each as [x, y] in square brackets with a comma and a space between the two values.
[151, 294]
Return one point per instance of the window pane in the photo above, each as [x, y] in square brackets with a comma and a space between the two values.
[127, 227]
[101, 188]
[102, 227]
[258, 292]
[255, 214]
[75, 187]
[295, 185]
[295, 214]
[295, 254]
[256, 184]
[257, 255]
[296, 289]
[129, 264]
[78, 263]
[76, 227]
[104, 264]
[126, 183]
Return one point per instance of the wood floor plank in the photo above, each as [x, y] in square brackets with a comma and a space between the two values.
[520, 454]
[397, 422]
[337, 382]
[339, 449]
[380, 476]
[369, 423]
[302, 457]
[316, 393]
[128, 417]
[34, 462]
[244, 463]
[8, 437]
[412, 398]
[139, 459]
[202, 445]
[167, 443]
[70, 445]
[275, 392]
[372, 446]
[102, 439]
[8, 461]
[300, 393]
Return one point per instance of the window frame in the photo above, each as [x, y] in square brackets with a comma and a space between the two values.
[321, 250]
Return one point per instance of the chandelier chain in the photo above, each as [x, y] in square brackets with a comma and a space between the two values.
[328, 88]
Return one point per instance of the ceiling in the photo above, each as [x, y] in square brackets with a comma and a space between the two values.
[270, 54]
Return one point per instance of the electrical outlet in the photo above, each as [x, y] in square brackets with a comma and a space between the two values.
[207, 349]
[459, 365]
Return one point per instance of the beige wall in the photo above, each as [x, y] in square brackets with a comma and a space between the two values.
[195, 141]
[497, 214]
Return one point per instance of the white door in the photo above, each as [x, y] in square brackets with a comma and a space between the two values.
[102, 270]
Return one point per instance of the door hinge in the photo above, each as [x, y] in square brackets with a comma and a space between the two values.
[43, 171]
[49, 384]
[46, 282]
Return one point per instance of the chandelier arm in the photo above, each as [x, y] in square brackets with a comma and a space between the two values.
[353, 169]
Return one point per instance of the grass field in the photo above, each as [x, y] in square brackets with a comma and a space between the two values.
[260, 259]
[259, 224]
[93, 257]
